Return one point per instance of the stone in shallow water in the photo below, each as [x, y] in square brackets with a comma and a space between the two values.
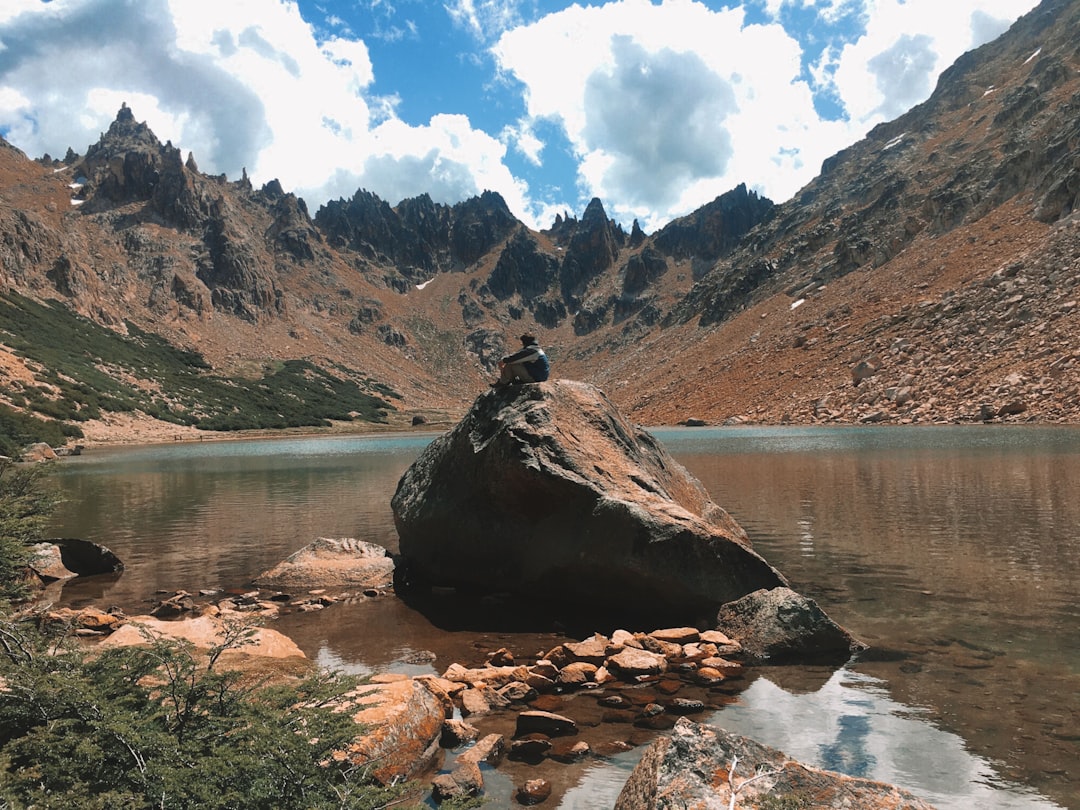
[332, 562]
[693, 768]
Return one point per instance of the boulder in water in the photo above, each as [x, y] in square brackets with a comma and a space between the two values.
[547, 491]
[779, 626]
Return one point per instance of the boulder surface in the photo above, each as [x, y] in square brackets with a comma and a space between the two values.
[332, 562]
[547, 491]
[700, 766]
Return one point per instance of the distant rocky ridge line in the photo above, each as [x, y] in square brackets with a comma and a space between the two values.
[394, 246]
[981, 139]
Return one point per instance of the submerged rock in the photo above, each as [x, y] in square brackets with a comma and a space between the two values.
[780, 625]
[547, 491]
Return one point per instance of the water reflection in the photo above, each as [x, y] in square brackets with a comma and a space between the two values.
[953, 551]
[215, 515]
[852, 725]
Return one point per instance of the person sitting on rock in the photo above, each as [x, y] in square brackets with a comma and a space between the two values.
[526, 366]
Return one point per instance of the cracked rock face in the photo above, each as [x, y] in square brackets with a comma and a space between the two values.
[546, 491]
[702, 766]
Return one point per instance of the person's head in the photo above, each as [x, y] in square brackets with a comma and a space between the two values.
[527, 339]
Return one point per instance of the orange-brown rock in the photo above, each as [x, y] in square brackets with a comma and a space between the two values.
[632, 662]
[204, 632]
[87, 618]
[47, 563]
[332, 562]
[404, 722]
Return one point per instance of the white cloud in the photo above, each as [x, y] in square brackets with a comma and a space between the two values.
[665, 103]
[243, 84]
[668, 106]
[907, 44]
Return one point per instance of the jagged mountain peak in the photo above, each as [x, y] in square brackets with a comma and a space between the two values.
[125, 134]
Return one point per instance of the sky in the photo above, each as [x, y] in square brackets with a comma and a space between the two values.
[655, 107]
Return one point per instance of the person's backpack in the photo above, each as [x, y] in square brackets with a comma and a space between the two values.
[540, 368]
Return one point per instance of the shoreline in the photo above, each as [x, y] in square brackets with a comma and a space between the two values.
[126, 430]
[164, 433]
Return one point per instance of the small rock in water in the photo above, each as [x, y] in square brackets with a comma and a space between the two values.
[535, 791]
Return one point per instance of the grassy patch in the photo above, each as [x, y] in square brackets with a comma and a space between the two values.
[84, 369]
[19, 429]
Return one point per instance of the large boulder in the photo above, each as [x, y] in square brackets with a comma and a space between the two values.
[700, 766]
[546, 490]
[779, 626]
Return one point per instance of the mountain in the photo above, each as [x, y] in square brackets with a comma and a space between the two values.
[928, 274]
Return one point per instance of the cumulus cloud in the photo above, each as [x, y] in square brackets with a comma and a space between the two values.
[245, 85]
[105, 51]
[660, 104]
[668, 106]
[656, 122]
[906, 44]
[903, 73]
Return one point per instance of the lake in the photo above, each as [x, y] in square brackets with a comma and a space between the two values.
[953, 551]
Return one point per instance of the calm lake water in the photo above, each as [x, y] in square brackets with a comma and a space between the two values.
[954, 552]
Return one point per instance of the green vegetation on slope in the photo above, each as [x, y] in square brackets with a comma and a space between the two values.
[83, 370]
[18, 429]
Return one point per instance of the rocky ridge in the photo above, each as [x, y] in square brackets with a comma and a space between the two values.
[905, 257]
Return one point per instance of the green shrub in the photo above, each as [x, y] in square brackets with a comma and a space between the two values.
[84, 365]
[25, 506]
[162, 726]
[18, 429]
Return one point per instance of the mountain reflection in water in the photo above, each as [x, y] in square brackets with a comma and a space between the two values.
[953, 551]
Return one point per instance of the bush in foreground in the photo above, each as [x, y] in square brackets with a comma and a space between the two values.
[164, 726]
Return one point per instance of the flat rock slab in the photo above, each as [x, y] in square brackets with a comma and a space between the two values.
[332, 563]
[549, 723]
[203, 632]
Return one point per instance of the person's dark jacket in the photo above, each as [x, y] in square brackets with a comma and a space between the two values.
[534, 360]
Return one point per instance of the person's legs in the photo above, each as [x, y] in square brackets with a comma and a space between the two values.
[514, 371]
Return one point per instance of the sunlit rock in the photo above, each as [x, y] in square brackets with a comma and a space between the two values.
[332, 562]
[703, 766]
[547, 489]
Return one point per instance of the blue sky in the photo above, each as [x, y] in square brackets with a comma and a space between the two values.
[654, 107]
